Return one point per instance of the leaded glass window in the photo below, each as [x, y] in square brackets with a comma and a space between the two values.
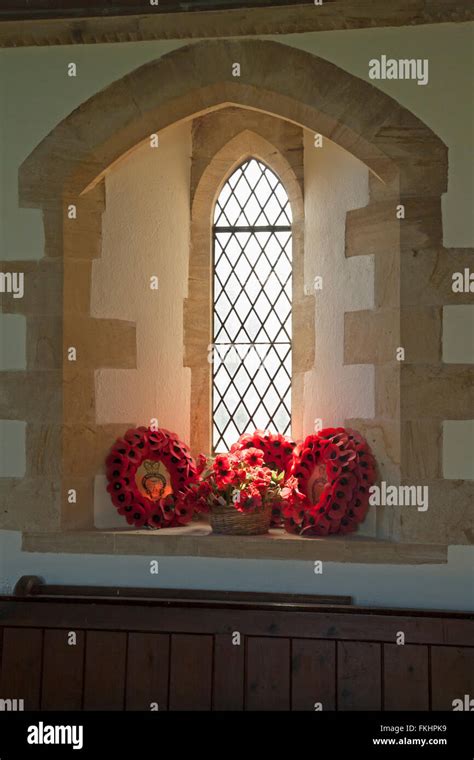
[251, 383]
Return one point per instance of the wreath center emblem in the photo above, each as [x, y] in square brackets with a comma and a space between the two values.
[153, 480]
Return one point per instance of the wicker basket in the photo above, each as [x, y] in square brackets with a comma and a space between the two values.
[230, 521]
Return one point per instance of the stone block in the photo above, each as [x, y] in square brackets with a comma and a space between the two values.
[449, 518]
[29, 504]
[426, 276]
[42, 285]
[77, 286]
[303, 329]
[420, 329]
[376, 228]
[371, 337]
[78, 396]
[388, 188]
[44, 451]
[31, 396]
[100, 343]
[383, 437]
[216, 129]
[387, 391]
[44, 342]
[372, 229]
[197, 327]
[85, 447]
[437, 391]
[425, 177]
[78, 515]
[82, 237]
[200, 410]
[387, 279]
[421, 449]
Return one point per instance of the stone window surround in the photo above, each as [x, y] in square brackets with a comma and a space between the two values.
[221, 141]
[68, 166]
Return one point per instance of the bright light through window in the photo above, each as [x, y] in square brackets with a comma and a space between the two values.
[252, 306]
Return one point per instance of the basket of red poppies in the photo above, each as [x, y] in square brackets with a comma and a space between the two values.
[239, 491]
[277, 450]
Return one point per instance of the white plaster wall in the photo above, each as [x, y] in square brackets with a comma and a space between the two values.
[12, 449]
[12, 342]
[458, 449]
[442, 104]
[146, 234]
[458, 334]
[335, 182]
[38, 94]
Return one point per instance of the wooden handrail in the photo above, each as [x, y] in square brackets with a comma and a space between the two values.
[32, 586]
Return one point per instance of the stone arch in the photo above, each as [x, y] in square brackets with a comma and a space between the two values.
[307, 90]
[68, 167]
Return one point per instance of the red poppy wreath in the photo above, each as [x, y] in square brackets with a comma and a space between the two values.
[328, 488]
[148, 472]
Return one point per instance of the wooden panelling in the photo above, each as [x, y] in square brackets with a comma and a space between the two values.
[20, 676]
[191, 672]
[104, 676]
[405, 677]
[183, 654]
[267, 674]
[147, 671]
[313, 675]
[358, 676]
[228, 685]
[337, 623]
[325, 623]
[63, 668]
[452, 676]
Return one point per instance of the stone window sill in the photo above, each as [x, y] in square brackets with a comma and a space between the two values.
[196, 540]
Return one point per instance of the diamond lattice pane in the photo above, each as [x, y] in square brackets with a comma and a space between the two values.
[252, 306]
[253, 195]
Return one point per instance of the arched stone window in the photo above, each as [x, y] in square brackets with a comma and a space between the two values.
[268, 163]
[252, 305]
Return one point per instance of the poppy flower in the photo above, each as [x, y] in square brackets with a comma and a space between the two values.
[253, 456]
[122, 499]
[118, 485]
[116, 465]
[136, 437]
[221, 463]
[155, 519]
[136, 514]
